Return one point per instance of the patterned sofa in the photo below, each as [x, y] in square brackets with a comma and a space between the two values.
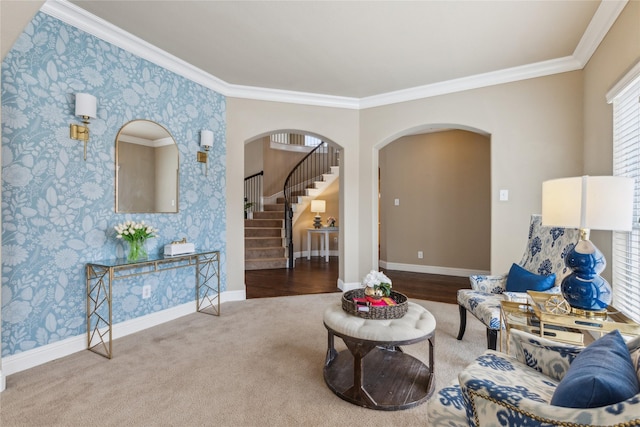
[503, 390]
[544, 255]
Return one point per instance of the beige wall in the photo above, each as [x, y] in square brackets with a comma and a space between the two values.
[536, 134]
[443, 183]
[617, 53]
[277, 165]
[248, 119]
[253, 157]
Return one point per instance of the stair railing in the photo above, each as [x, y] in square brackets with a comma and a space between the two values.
[253, 193]
[302, 176]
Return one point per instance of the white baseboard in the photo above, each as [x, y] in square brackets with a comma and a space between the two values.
[344, 287]
[303, 254]
[38, 356]
[3, 382]
[429, 269]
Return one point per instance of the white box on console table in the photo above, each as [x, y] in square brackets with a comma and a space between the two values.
[179, 249]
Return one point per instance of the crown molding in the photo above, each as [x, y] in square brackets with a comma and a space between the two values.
[508, 75]
[603, 19]
[622, 85]
[278, 95]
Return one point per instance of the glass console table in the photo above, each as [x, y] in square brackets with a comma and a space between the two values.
[102, 274]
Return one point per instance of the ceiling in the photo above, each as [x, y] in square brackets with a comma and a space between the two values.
[366, 49]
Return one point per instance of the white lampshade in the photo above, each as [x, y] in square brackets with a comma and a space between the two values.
[86, 105]
[588, 202]
[318, 206]
[206, 138]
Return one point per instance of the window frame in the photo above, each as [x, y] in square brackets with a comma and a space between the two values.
[625, 253]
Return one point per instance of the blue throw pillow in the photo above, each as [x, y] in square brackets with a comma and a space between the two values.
[602, 374]
[521, 280]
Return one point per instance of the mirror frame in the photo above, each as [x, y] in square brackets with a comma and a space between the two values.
[177, 198]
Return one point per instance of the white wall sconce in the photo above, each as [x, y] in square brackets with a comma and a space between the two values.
[86, 106]
[206, 142]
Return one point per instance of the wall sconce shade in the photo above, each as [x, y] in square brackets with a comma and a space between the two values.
[86, 107]
[206, 142]
[206, 139]
[587, 202]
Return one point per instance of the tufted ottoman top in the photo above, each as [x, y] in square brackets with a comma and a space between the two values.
[415, 324]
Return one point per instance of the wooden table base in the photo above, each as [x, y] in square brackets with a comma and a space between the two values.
[378, 377]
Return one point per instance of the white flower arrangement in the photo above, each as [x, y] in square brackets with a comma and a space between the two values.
[378, 280]
[131, 231]
[375, 278]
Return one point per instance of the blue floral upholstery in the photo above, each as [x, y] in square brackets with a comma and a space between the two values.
[498, 389]
[545, 254]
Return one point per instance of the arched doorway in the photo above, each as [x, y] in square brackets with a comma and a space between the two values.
[435, 201]
[293, 168]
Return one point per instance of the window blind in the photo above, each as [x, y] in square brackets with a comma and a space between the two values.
[626, 162]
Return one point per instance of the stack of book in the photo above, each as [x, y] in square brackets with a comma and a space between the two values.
[363, 304]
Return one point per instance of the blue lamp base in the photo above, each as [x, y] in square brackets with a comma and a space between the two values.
[584, 288]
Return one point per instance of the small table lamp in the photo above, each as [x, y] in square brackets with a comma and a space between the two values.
[587, 202]
[318, 206]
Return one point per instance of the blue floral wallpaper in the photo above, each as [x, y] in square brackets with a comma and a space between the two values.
[58, 210]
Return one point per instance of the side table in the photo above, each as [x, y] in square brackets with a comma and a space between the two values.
[324, 240]
[392, 379]
[519, 315]
[612, 319]
[534, 318]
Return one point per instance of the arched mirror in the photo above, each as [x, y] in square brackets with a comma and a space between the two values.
[147, 169]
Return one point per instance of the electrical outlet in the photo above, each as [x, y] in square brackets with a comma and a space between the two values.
[146, 291]
[420, 254]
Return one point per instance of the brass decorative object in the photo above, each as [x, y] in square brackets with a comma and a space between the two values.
[372, 292]
[557, 305]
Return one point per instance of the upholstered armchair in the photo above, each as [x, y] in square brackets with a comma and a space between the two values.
[544, 256]
[545, 383]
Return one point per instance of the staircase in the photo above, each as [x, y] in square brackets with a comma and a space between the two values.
[263, 244]
[268, 235]
[263, 235]
[301, 200]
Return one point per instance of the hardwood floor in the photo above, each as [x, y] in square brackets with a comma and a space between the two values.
[317, 276]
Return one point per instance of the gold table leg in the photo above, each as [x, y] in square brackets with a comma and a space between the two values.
[208, 283]
[99, 331]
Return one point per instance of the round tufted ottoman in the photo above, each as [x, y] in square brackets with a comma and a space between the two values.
[387, 378]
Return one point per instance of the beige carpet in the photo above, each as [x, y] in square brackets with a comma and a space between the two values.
[259, 364]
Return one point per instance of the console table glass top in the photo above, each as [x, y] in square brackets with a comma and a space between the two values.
[101, 275]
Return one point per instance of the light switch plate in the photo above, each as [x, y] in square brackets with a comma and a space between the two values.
[504, 195]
